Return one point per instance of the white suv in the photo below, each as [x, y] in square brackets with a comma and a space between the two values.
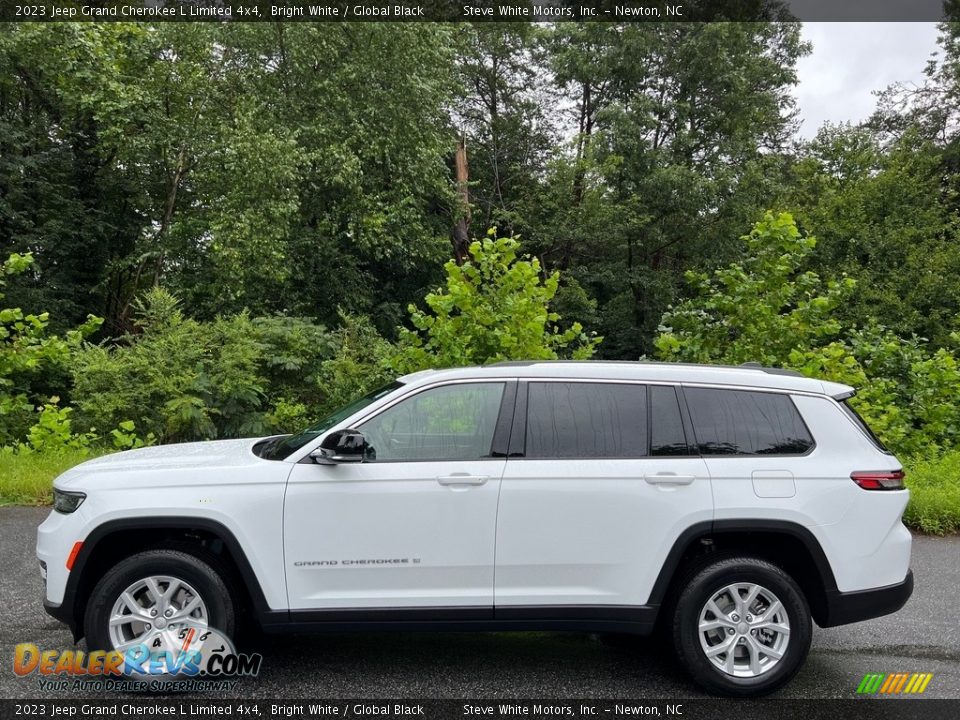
[727, 505]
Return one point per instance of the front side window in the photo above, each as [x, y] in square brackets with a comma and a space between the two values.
[451, 422]
[743, 422]
[279, 448]
[586, 420]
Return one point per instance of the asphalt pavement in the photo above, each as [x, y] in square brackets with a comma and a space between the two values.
[923, 637]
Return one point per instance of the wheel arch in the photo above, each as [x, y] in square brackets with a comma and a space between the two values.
[786, 544]
[114, 540]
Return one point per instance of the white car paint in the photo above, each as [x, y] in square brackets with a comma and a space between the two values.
[585, 532]
[220, 480]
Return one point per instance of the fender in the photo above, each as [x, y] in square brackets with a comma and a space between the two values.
[69, 612]
[720, 527]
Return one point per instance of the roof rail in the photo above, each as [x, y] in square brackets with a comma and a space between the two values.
[770, 370]
[753, 365]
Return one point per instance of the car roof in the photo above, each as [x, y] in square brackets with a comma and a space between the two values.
[749, 375]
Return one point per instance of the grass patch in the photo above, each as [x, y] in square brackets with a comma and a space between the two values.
[27, 479]
[934, 494]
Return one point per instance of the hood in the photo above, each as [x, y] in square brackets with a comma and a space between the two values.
[225, 454]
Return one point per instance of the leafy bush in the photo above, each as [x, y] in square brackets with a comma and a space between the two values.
[907, 393]
[363, 361]
[124, 437]
[496, 306]
[53, 432]
[26, 351]
[768, 308]
[186, 380]
[934, 494]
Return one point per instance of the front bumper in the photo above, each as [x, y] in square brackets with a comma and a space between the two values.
[64, 613]
[851, 607]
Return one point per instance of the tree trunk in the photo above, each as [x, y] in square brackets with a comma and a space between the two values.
[461, 229]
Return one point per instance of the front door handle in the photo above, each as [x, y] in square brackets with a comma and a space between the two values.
[669, 479]
[462, 479]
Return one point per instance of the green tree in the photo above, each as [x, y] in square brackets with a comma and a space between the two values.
[882, 215]
[503, 110]
[757, 310]
[271, 167]
[771, 308]
[682, 129]
[494, 307]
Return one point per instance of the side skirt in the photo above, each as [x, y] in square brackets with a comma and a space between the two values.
[634, 620]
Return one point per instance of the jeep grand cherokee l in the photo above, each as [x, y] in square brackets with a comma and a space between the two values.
[731, 506]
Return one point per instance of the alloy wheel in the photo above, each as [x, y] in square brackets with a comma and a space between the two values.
[744, 630]
[154, 611]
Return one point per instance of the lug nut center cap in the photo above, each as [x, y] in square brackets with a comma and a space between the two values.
[742, 628]
[160, 622]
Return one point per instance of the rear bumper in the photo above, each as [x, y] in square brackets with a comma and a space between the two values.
[851, 607]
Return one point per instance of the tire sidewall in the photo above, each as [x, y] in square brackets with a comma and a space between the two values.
[209, 583]
[710, 581]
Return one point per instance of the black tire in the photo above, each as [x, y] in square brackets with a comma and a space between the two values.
[701, 586]
[201, 574]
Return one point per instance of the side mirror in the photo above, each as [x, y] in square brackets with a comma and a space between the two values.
[342, 446]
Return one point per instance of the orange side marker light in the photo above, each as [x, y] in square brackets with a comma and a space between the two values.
[72, 558]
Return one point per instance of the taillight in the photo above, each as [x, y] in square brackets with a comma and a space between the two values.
[879, 479]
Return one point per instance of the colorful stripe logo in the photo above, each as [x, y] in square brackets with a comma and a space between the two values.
[894, 683]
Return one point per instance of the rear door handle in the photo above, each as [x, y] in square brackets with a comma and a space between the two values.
[669, 479]
[462, 479]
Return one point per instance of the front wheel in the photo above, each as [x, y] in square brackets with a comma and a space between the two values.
[741, 627]
[155, 599]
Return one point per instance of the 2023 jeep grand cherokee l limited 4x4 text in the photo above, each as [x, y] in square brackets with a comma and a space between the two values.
[730, 506]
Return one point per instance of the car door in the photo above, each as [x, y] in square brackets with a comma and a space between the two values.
[751, 441]
[413, 525]
[599, 484]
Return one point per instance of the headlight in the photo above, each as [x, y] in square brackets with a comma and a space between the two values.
[66, 502]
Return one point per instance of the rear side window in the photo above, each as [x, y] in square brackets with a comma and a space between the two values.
[862, 425]
[741, 422]
[586, 420]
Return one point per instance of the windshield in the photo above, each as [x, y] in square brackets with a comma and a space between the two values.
[281, 447]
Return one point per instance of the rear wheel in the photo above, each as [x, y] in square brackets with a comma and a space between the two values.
[741, 627]
[155, 598]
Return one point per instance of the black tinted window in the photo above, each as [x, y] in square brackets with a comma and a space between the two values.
[739, 422]
[666, 426]
[862, 424]
[586, 420]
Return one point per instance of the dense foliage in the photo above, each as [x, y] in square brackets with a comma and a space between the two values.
[32, 359]
[234, 376]
[772, 309]
[261, 214]
[496, 306]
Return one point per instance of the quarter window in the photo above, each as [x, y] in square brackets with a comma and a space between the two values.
[741, 422]
[666, 426]
[451, 422]
[586, 420]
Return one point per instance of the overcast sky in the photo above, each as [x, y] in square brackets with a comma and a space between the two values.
[852, 60]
